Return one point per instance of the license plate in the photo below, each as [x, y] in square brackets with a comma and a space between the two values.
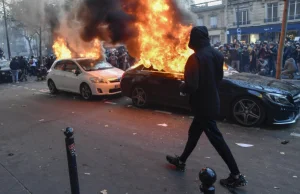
[117, 86]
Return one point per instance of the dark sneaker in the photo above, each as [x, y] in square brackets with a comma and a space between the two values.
[233, 182]
[176, 162]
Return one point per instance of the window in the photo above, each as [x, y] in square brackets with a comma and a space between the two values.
[242, 17]
[213, 21]
[215, 39]
[272, 12]
[294, 9]
[59, 66]
[70, 66]
[200, 22]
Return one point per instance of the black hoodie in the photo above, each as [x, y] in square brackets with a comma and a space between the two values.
[203, 73]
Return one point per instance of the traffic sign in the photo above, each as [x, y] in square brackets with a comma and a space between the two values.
[239, 30]
[239, 37]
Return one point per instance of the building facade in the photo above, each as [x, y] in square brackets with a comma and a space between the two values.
[255, 20]
[211, 14]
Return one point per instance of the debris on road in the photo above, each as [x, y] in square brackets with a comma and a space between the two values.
[10, 154]
[17, 95]
[207, 157]
[24, 105]
[285, 142]
[105, 125]
[113, 103]
[282, 153]
[134, 133]
[103, 192]
[244, 145]
[129, 106]
[276, 188]
[87, 173]
[162, 125]
[163, 112]
[295, 177]
[42, 120]
[295, 134]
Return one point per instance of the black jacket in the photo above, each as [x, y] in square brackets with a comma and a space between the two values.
[14, 65]
[23, 64]
[203, 73]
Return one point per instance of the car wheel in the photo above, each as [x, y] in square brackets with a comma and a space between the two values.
[86, 91]
[52, 87]
[248, 112]
[139, 97]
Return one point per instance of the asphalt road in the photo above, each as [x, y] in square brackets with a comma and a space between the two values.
[122, 149]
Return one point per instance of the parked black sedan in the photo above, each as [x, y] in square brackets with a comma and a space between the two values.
[248, 99]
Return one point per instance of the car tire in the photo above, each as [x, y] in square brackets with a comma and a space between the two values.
[248, 111]
[139, 97]
[52, 87]
[85, 91]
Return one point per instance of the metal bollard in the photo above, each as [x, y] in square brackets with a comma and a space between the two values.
[71, 155]
[208, 177]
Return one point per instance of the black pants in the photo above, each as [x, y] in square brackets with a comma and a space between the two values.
[215, 137]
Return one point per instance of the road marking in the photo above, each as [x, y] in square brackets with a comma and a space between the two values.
[295, 134]
[163, 112]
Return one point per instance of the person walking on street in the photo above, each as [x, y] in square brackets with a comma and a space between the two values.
[23, 66]
[14, 67]
[202, 75]
[33, 64]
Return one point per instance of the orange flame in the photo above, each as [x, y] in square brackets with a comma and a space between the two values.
[163, 42]
[62, 51]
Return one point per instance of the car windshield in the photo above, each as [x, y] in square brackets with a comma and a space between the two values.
[94, 65]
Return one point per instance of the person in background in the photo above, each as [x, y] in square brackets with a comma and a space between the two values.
[245, 59]
[33, 64]
[14, 67]
[287, 52]
[272, 58]
[253, 59]
[23, 67]
[204, 72]
[235, 57]
[298, 57]
[113, 60]
[289, 68]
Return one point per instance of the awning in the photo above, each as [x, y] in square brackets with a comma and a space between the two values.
[263, 29]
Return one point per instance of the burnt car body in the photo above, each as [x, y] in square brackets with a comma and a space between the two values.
[246, 98]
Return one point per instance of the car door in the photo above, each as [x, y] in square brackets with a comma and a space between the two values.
[72, 81]
[169, 90]
[57, 75]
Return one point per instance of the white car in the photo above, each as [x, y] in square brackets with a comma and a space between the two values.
[88, 77]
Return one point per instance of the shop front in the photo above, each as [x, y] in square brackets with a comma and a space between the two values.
[270, 33]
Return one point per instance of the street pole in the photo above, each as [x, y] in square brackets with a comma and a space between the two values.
[7, 39]
[282, 39]
[238, 22]
[41, 58]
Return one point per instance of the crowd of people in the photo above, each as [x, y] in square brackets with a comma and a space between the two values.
[119, 58]
[23, 66]
[261, 58]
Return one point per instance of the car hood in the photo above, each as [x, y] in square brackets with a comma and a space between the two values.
[264, 84]
[5, 69]
[107, 73]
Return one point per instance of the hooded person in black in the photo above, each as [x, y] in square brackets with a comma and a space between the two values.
[203, 73]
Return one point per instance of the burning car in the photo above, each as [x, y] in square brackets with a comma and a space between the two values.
[86, 76]
[248, 99]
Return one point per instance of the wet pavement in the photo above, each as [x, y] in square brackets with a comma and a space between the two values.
[122, 149]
